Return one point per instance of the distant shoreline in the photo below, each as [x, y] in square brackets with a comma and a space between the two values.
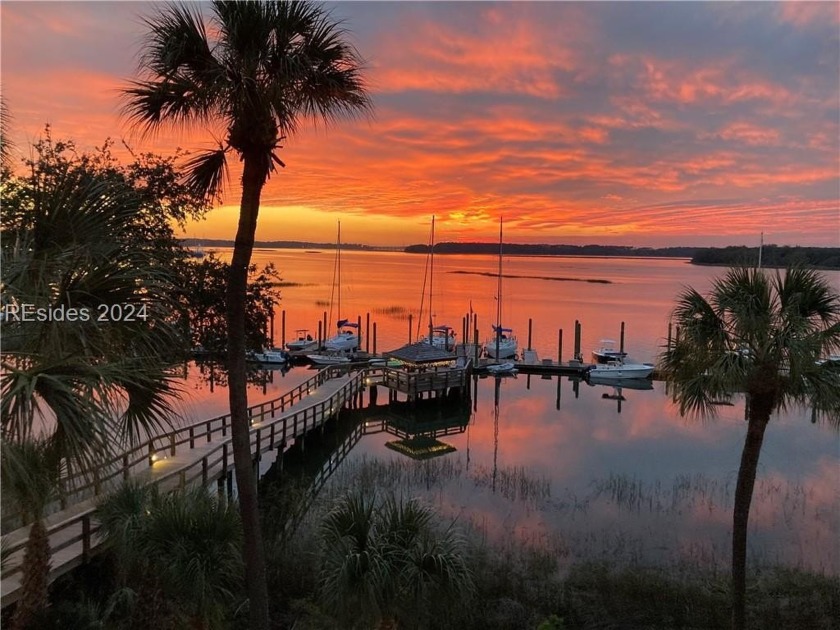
[774, 256]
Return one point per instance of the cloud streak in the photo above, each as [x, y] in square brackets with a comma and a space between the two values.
[641, 124]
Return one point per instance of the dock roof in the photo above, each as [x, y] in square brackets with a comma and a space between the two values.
[420, 353]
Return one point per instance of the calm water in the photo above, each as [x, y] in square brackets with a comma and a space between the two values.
[569, 466]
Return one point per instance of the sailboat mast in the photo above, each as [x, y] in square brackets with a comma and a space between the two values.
[499, 296]
[338, 257]
[431, 281]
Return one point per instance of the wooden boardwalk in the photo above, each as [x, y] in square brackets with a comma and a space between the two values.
[198, 453]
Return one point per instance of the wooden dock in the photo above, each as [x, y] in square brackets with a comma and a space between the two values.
[199, 453]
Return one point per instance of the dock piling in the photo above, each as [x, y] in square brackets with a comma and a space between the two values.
[530, 324]
[559, 346]
[282, 330]
[621, 339]
[367, 332]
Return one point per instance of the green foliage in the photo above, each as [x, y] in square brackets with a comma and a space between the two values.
[83, 232]
[386, 560]
[761, 333]
[771, 256]
[203, 287]
[182, 549]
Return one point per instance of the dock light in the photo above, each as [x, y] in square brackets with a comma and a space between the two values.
[155, 457]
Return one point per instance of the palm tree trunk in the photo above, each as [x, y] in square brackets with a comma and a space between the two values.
[34, 583]
[758, 418]
[246, 480]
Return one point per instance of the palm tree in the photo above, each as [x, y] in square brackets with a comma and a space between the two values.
[387, 561]
[67, 244]
[258, 70]
[761, 335]
[30, 475]
[182, 548]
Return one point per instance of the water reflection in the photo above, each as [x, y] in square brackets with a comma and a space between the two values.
[618, 475]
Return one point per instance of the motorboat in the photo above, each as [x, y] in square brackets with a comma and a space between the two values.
[347, 338]
[508, 367]
[303, 342]
[274, 355]
[443, 337]
[328, 359]
[620, 370]
[607, 352]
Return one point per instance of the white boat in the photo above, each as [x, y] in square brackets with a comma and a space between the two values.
[275, 355]
[503, 344]
[303, 342]
[328, 359]
[443, 337]
[607, 352]
[620, 370]
[508, 367]
[347, 339]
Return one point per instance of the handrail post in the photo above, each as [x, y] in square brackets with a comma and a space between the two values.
[151, 452]
[85, 537]
[172, 444]
[192, 437]
[209, 430]
[224, 457]
[204, 471]
[125, 467]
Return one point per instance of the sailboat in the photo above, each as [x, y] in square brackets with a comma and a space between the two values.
[347, 338]
[503, 344]
[442, 336]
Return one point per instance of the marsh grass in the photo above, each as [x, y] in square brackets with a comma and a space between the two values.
[552, 278]
[526, 577]
[394, 312]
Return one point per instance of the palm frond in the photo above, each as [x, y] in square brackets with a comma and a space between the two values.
[207, 173]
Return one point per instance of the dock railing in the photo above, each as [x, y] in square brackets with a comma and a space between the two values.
[73, 532]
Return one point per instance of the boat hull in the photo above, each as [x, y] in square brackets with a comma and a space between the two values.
[342, 342]
[328, 359]
[507, 349]
[621, 371]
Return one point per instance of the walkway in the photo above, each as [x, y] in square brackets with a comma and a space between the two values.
[199, 453]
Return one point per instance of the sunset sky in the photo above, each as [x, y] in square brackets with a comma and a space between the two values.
[647, 124]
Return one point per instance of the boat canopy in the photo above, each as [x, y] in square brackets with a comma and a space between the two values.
[443, 328]
[347, 322]
[501, 329]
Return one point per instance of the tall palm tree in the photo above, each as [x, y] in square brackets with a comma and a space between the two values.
[762, 335]
[258, 70]
[387, 561]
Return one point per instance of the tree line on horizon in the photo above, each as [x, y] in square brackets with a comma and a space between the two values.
[772, 255]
